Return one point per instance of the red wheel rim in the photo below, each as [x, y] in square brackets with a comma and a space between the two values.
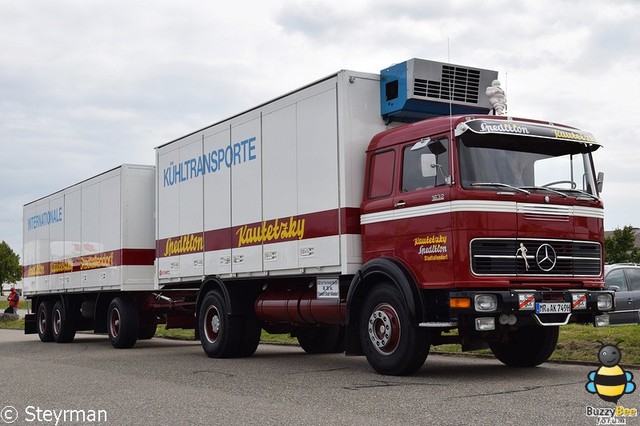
[57, 320]
[42, 322]
[114, 322]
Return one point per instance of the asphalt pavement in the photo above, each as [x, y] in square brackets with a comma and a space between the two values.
[163, 381]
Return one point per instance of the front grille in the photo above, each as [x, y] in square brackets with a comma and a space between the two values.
[457, 83]
[543, 257]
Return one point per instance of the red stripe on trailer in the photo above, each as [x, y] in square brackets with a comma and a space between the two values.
[312, 225]
[107, 259]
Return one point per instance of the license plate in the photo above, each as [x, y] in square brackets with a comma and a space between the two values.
[553, 308]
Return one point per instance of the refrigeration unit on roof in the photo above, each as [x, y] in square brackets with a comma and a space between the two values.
[417, 89]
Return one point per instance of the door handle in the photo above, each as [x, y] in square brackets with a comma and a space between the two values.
[400, 204]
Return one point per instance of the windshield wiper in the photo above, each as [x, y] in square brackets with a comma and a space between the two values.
[593, 197]
[543, 188]
[501, 185]
[564, 194]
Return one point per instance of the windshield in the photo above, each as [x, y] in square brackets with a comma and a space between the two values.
[526, 164]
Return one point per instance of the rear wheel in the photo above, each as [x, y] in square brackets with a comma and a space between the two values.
[392, 345]
[122, 322]
[321, 340]
[220, 333]
[44, 321]
[63, 325]
[250, 337]
[527, 346]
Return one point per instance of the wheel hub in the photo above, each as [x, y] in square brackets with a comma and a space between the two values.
[384, 329]
[212, 324]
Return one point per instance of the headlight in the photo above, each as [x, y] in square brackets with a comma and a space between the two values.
[486, 302]
[605, 302]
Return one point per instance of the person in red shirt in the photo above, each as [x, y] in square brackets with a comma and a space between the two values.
[14, 300]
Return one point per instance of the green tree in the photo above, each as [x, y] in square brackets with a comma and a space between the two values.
[620, 247]
[10, 269]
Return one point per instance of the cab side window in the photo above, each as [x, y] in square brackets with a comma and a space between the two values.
[425, 165]
[381, 173]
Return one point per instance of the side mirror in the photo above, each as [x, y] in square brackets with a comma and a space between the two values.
[428, 165]
[613, 288]
[600, 181]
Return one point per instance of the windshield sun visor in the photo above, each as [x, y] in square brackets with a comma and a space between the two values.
[517, 129]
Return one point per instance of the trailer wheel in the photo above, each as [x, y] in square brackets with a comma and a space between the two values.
[146, 332]
[62, 326]
[220, 334]
[392, 345]
[122, 322]
[44, 321]
[527, 346]
[321, 340]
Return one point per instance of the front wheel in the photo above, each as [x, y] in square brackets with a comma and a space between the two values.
[122, 322]
[147, 326]
[527, 346]
[391, 343]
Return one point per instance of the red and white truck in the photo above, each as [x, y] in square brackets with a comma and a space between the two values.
[376, 214]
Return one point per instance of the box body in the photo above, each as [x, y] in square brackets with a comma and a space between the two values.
[95, 235]
[275, 190]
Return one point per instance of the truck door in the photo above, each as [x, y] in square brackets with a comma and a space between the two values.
[422, 211]
[377, 207]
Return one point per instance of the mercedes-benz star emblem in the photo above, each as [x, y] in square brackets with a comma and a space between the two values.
[546, 257]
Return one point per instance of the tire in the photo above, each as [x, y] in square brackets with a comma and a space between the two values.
[321, 340]
[43, 317]
[220, 333]
[63, 325]
[250, 337]
[122, 322]
[392, 345]
[147, 326]
[146, 332]
[527, 346]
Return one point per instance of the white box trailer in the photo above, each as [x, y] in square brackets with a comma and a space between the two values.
[95, 235]
[272, 191]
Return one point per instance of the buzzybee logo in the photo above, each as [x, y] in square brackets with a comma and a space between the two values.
[610, 381]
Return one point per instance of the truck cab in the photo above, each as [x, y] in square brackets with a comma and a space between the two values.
[497, 223]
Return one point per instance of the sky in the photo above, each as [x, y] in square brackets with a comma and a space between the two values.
[88, 85]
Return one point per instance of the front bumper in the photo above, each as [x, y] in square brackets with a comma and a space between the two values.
[543, 307]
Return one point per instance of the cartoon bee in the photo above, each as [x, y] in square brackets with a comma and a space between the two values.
[610, 381]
